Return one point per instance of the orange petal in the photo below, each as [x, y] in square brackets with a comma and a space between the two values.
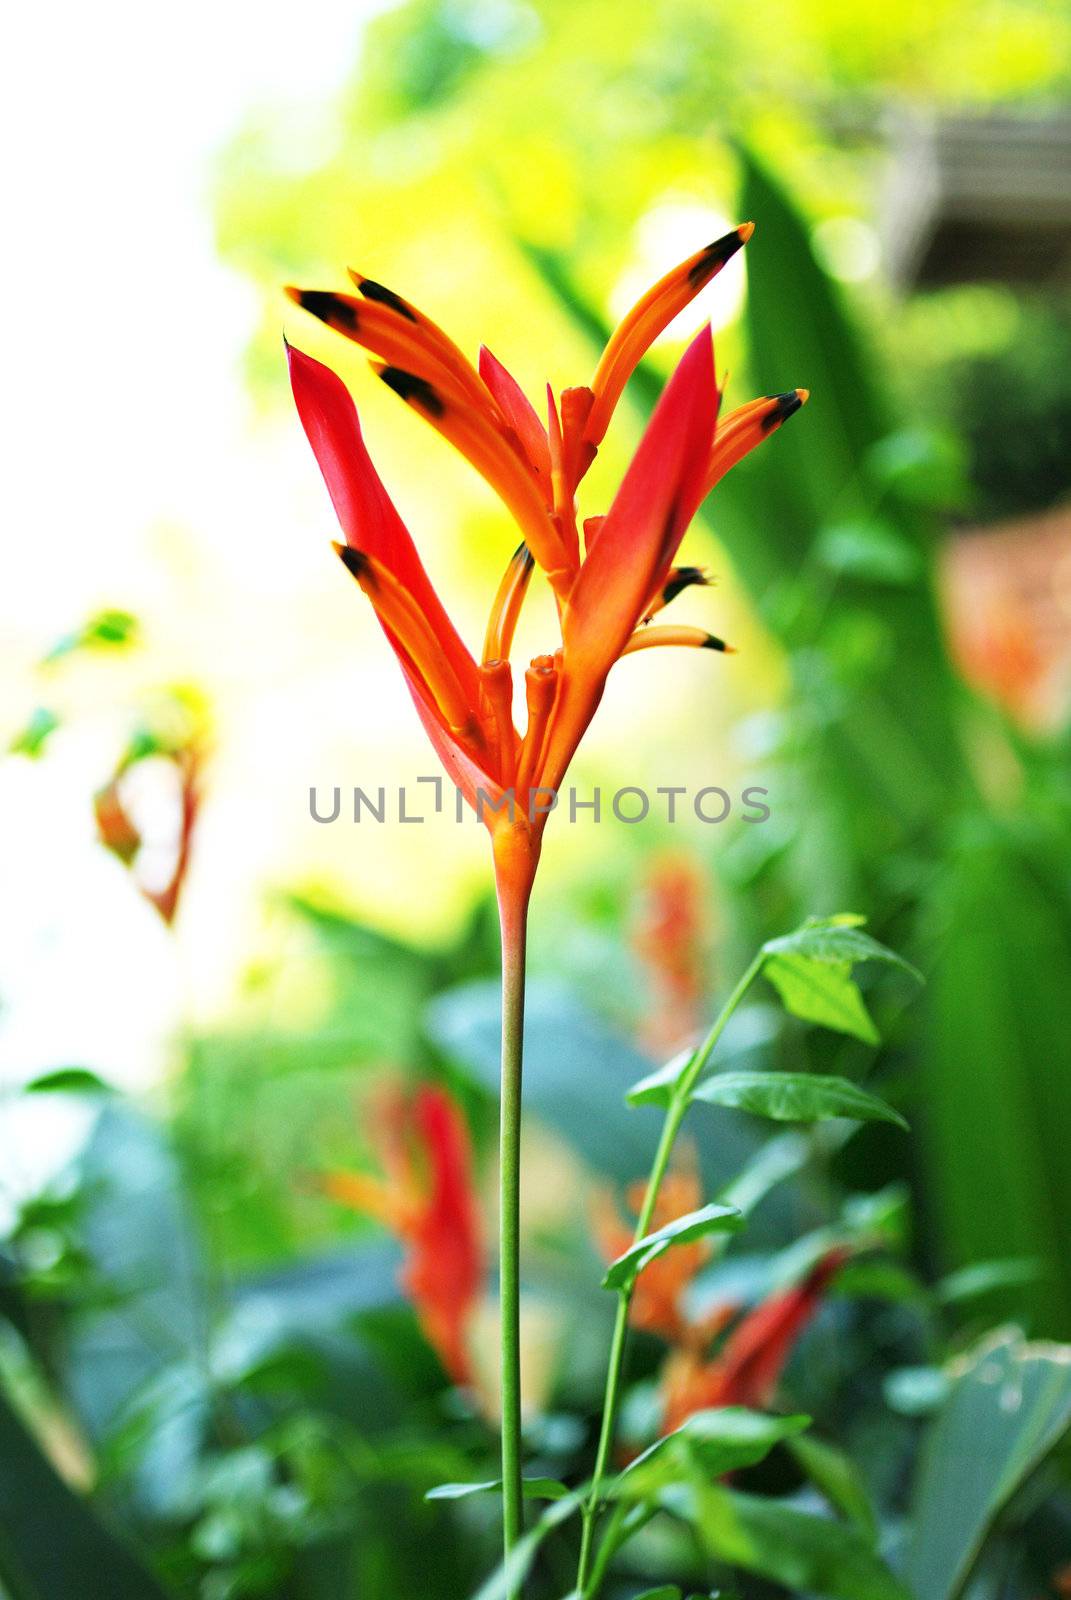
[519, 413]
[747, 427]
[495, 459]
[506, 607]
[635, 334]
[690, 638]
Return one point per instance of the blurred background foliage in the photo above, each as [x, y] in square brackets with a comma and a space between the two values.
[219, 1354]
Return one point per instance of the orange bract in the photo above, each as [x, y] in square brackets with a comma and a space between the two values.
[426, 1197]
[603, 594]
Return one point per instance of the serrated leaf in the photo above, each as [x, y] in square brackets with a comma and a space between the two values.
[531, 1488]
[837, 938]
[723, 1440]
[713, 1218]
[795, 1097]
[807, 1554]
[811, 969]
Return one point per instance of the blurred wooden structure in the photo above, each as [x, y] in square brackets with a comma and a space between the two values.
[975, 198]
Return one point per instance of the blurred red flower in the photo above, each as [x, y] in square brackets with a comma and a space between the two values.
[426, 1197]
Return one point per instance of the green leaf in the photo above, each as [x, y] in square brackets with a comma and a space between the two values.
[835, 939]
[532, 1489]
[811, 969]
[34, 736]
[656, 1089]
[67, 1080]
[508, 1578]
[866, 548]
[775, 1160]
[719, 1441]
[838, 1478]
[807, 1554]
[51, 1544]
[969, 1283]
[713, 1218]
[1008, 1408]
[668, 1591]
[107, 630]
[795, 1097]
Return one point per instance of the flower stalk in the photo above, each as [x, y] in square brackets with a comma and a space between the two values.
[590, 1567]
[513, 915]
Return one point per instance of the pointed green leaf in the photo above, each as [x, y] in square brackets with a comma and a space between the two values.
[711, 1218]
[795, 1097]
[838, 1478]
[719, 1441]
[532, 1489]
[656, 1089]
[835, 939]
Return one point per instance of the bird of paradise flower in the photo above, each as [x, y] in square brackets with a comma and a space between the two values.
[610, 575]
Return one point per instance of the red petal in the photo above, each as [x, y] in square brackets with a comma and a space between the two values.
[363, 507]
[658, 498]
[519, 412]
[756, 1352]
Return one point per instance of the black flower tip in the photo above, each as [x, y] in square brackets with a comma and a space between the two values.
[413, 390]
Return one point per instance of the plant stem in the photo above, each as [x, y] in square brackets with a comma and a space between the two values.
[678, 1105]
[514, 925]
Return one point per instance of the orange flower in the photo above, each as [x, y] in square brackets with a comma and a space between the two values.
[426, 1197]
[656, 1305]
[669, 938]
[119, 833]
[747, 1369]
[605, 591]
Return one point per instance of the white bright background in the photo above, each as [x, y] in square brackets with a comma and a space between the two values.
[140, 479]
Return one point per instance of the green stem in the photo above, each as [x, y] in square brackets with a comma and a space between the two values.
[587, 1581]
[514, 923]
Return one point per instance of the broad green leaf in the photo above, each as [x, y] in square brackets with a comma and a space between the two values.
[52, 1547]
[1008, 1408]
[838, 1478]
[795, 1097]
[711, 1218]
[668, 1591]
[808, 1554]
[532, 1489]
[720, 1441]
[67, 1080]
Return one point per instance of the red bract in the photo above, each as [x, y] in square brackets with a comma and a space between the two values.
[749, 1365]
[608, 583]
[426, 1197]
